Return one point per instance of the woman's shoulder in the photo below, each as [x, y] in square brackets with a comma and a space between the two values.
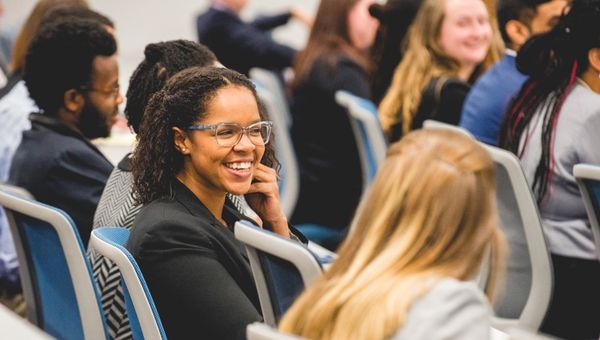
[453, 289]
[167, 215]
[452, 309]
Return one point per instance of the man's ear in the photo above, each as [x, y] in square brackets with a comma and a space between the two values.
[181, 140]
[594, 58]
[73, 101]
[517, 32]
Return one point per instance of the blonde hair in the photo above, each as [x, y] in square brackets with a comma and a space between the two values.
[423, 60]
[430, 214]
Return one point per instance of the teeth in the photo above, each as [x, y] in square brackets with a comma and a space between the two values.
[239, 165]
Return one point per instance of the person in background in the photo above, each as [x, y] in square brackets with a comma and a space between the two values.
[484, 107]
[447, 43]
[241, 46]
[334, 59]
[395, 18]
[552, 125]
[73, 76]
[203, 136]
[117, 206]
[421, 234]
[15, 107]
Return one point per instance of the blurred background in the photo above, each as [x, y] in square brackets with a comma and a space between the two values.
[140, 22]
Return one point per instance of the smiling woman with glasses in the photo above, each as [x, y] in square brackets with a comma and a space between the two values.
[203, 135]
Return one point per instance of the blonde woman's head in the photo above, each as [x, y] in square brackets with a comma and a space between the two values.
[430, 214]
[434, 194]
[447, 38]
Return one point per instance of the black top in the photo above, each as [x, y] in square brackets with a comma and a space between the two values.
[442, 100]
[197, 271]
[330, 171]
[60, 167]
[242, 46]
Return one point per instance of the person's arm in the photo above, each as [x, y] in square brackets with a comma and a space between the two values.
[267, 23]
[76, 182]
[451, 310]
[259, 48]
[586, 141]
[9, 265]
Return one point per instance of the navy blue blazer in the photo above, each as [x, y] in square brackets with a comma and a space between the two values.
[60, 167]
[241, 46]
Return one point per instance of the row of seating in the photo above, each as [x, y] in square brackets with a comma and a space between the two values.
[63, 301]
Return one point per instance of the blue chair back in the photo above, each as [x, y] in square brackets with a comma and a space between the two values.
[55, 274]
[370, 139]
[143, 317]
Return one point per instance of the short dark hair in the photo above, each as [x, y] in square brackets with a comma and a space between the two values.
[180, 103]
[520, 10]
[162, 60]
[60, 58]
[76, 11]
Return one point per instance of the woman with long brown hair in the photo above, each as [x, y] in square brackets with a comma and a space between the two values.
[334, 59]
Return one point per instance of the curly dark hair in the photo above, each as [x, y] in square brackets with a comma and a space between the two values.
[162, 60]
[75, 11]
[553, 61]
[60, 58]
[180, 103]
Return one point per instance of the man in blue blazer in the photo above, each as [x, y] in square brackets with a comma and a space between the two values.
[240, 45]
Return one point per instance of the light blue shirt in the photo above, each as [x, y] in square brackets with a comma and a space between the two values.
[15, 108]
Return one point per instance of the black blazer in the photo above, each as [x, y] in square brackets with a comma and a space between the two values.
[197, 272]
[442, 100]
[325, 145]
[242, 46]
[60, 167]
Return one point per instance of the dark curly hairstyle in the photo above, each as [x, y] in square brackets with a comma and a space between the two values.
[60, 58]
[162, 60]
[75, 11]
[180, 103]
[553, 61]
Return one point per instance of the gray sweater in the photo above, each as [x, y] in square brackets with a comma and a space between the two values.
[451, 310]
[577, 138]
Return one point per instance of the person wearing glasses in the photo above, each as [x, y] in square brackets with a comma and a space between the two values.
[72, 75]
[203, 136]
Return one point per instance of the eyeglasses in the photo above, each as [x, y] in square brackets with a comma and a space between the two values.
[112, 92]
[230, 134]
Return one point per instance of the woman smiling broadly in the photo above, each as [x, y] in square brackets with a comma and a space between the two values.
[447, 43]
[206, 136]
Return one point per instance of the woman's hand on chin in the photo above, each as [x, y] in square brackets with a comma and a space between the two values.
[263, 198]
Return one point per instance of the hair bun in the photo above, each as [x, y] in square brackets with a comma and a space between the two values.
[153, 53]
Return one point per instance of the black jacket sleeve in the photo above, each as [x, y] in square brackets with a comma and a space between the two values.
[267, 23]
